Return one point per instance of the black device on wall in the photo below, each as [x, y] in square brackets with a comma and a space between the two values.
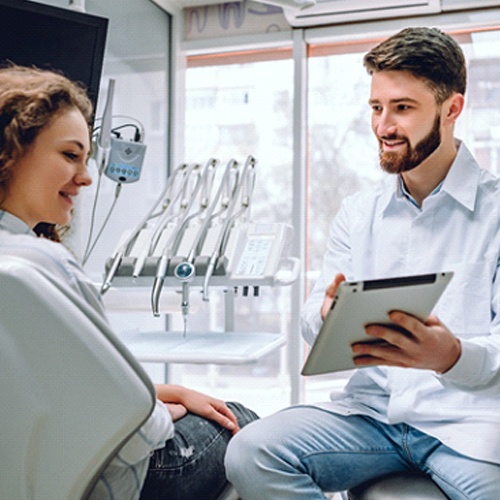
[56, 38]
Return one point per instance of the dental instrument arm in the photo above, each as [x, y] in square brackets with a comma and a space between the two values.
[246, 180]
[119, 254]
[165, 218]
[173, 243]
[210, 214]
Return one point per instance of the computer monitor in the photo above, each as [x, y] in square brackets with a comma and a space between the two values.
[51, 37]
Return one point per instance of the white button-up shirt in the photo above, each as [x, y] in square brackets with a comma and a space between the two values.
[381, 233]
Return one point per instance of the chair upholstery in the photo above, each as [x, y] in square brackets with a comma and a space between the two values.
[71, 393]
[409, 486]
[229, 493]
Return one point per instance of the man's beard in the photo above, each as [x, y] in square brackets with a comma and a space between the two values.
[396, 163]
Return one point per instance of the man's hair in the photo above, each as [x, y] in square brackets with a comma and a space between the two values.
[426, 53]
[30, 98]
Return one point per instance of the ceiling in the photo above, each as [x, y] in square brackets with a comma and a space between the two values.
[180, 4]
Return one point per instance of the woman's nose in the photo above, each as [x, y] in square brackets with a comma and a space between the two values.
[82, 177]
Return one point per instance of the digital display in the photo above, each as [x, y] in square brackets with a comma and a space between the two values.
[35, 34]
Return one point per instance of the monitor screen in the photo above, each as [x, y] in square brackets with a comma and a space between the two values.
[50, 37]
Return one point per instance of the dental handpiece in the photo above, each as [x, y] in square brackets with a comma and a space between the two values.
[210, 270]
[173, 242]
[158, 284]
[185, 272]
[117, 259]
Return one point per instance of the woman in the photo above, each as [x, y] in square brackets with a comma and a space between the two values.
[44, 146]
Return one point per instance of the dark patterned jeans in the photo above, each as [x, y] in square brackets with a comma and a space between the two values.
[191, 466]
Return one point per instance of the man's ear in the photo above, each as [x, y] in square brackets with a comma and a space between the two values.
[453, 107]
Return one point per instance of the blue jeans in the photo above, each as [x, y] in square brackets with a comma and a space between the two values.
[303, 451]
[191, 466]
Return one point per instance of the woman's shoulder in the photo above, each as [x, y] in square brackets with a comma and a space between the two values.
[46, 254]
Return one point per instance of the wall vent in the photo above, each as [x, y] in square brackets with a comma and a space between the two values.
[343, 11]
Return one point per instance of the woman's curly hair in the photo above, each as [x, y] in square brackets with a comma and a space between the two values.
[30, 98]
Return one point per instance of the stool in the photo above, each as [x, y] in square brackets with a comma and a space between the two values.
[406, 485]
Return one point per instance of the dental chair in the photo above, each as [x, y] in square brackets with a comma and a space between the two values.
[403, 486]
[70, 394]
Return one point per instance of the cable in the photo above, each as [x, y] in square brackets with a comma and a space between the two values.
[92, 216]
[141, 129]
[137, 135]
[88, 250]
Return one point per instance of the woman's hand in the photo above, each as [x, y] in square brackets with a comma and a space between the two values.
[176, 410]
[197, 403]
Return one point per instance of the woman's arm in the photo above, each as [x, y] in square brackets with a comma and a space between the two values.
[179, 400]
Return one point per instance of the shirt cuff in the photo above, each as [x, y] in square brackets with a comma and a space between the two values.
[310, 327]
[468, 371]
[151, 436]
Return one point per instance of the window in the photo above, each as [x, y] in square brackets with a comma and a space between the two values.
[236, 107]
[343, 150]
[248, 103]
[240, 103]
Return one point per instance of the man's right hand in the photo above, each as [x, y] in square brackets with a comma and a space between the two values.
[330, 292]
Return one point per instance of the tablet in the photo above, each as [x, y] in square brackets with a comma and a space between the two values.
[359, 303]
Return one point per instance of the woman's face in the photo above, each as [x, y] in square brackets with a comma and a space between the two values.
[46, 179]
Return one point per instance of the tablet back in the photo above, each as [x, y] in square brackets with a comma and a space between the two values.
[360, 303]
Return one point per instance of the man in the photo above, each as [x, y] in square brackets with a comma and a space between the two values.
[431, 401]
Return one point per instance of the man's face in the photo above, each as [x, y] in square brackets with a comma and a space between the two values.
[405, 119]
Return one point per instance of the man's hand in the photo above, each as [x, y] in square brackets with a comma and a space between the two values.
[426, 345]
[330, 294]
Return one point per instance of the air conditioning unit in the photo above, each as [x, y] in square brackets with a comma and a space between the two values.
[344, 11]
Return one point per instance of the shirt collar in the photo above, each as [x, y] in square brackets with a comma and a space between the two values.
[13, 224]
[461, 182]
[407, 194]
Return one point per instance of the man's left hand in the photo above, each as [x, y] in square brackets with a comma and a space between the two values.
[426, 345]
